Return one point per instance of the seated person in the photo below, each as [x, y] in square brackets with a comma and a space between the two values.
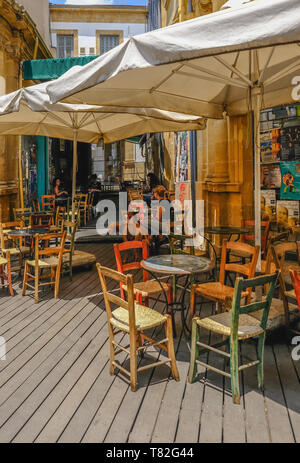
[56, 188]
[151, 182]
[94, 183]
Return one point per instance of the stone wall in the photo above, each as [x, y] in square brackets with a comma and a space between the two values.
[17, 43]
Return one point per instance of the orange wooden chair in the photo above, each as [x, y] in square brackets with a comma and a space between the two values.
[218, 291]
[48, 202]
[146, 289]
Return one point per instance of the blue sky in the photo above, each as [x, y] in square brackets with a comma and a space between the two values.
[99, 2]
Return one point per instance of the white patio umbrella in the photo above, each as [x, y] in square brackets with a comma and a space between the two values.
[28, 111]
[230, 62]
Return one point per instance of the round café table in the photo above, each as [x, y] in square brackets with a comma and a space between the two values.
[177, 265]
[28, 233]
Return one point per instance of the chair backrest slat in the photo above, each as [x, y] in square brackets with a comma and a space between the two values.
[238, 309]
[246, 271]
[109, 298]
[134, 264]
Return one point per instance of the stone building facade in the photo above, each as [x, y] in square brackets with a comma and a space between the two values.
[20, 40]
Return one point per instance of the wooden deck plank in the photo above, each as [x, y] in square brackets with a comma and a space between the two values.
[257, 427]
[290, 384]
[26, 363]
[211, 421]
[86, 425]
[55, 384]
[189, 417]
[28, 414]
[278, 418]
[234, 429]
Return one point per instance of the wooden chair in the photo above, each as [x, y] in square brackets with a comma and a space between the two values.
[36, 205]
[218, 291]
[237, 325]
[83, 208]
[280, 252]
[60, 215]
[22, 214]
[134, 320]
[5, 275]
[146, 289]
[15, 247]
[70, 228]
[250, 239]
[90, 204]
[48, 202]
[46, 258]
[134, 195]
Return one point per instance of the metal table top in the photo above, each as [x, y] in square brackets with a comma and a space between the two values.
[177, 264]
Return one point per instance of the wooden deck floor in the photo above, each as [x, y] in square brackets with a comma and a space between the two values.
[55, 384]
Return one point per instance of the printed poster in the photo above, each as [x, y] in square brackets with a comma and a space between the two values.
[290, 180]
[181, 157]
[268, 205]
[288, 213]
[270, 176]
[286, 143]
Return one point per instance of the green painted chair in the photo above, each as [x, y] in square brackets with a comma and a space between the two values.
[236, 325]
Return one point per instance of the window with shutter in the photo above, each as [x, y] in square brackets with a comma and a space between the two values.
[65, 46]
[107, 42]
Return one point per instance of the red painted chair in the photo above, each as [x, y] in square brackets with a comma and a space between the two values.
[295, 277]
[48, 202]
[264, 239]
[145, 289]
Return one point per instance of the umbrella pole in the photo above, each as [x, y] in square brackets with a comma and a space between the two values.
[257, 99]
[74, 172]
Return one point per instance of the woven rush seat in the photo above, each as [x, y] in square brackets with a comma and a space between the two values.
[285, 266]
[149, 287]
[221, 324]
[3, 261]
[216, 290]
[21, 249]
[290, 294]
[47, 262]
[276, 314]
[145, 318]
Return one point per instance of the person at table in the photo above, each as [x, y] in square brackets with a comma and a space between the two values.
[94, 183]
[151, 182]
[58, 193]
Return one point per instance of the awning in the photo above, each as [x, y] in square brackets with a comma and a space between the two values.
[47, 69]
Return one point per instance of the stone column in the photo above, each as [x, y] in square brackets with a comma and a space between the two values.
[218, 151]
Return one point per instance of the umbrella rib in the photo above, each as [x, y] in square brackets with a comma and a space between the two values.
[234, 70]
[216, 74]
[215, 79]
[100, 118]
[283, 73]
[190, 98]
[59, 119]
[164, 80]
[83, 119]
[96, 121]
[262, 74]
